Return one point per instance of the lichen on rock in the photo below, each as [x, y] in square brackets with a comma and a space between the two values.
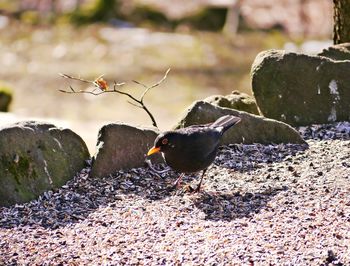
[36, 157]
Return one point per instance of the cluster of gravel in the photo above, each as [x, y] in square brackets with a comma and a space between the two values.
[339, 130]
[260, 204]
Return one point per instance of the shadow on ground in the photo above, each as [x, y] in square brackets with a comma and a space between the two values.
[230, 206]
[83, 195]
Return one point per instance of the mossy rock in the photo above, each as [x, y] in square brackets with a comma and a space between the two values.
[301, 89]
[5, 98]
[251, 129]
[36, 157]
[236, 100]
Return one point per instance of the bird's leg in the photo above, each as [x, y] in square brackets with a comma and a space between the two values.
[178, 180]
[200, 182]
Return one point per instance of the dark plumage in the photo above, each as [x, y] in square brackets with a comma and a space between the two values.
[192, 149]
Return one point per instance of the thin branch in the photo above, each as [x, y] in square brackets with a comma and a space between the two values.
[134, 104]
[139, 83]
[155, 85]
[118, 84]
[75, 78]
[101, 84]
[125, 93]
[86, 92]
[94, 89]
[150, 115]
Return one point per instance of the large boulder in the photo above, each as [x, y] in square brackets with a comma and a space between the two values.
[121, 147]
[252, 128]
[301, 89]
[36, 157]
[236, 100]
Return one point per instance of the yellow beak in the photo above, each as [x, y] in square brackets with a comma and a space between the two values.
[153, 150]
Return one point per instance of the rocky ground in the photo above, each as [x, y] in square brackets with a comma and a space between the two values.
[260, 205]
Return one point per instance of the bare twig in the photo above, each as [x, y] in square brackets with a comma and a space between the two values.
[155, 85]
[101, 85]
[134, 104]
[75, 78]
[139, 83]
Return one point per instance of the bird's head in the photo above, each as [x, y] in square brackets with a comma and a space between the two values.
[162, 143]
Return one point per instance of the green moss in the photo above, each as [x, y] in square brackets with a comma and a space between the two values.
[9, 6]
[24, 194]
[148, 15]
[30, 17]
[6, 90]
[97, 11]
[208, 19]
[20, 167]
[5, 97]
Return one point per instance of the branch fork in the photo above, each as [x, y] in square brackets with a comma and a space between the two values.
[101, 87]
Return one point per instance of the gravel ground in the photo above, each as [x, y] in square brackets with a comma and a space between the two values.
[260, 205]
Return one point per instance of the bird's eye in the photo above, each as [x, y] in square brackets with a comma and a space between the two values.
[164, 141]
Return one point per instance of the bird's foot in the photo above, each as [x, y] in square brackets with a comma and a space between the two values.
[177, 183]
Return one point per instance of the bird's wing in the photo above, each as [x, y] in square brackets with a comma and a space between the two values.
[225, 122]
[204, 137]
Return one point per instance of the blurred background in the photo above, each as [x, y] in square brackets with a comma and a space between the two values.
[208, 44]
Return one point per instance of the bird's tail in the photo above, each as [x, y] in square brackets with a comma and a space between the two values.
[225, 122]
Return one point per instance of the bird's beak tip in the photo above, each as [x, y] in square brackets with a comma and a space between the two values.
[153, 150]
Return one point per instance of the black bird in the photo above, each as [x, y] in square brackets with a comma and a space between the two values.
[192, 149]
